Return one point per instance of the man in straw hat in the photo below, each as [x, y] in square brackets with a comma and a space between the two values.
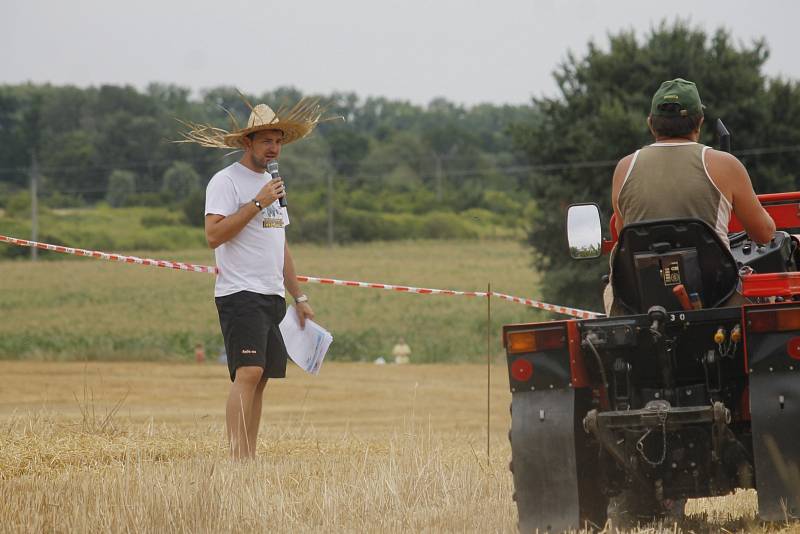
[244, 224]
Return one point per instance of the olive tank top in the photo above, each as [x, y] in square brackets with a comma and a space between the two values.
[670, 180]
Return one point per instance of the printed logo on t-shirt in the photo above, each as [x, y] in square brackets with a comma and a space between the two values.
[248, 351]
[273, 218]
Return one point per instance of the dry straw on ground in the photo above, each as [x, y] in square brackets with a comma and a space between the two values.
[361, 448]
[154, 480]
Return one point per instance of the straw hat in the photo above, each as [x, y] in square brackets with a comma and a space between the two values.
[295, 123]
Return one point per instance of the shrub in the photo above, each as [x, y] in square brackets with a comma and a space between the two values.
[193, 207]
[179, 181]
[148, 199]
[153, 220]
[59, 200]
[18, 205]
[5, 193]
[312, 227]
[501, 202]
[446, 226]
[121, 185]
[368, 226]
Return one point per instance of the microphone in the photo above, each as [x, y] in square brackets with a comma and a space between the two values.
[272, 169]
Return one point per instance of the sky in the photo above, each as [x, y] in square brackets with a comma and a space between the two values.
[499, 51]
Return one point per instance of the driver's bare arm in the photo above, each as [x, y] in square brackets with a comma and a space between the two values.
[729, 172]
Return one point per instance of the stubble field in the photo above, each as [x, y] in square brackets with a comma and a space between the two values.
[138, 447]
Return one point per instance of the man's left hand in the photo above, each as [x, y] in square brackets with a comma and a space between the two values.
[304, 312]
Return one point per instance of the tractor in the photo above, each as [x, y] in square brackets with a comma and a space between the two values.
[682, 395]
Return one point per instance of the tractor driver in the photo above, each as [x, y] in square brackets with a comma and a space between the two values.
[678, 177]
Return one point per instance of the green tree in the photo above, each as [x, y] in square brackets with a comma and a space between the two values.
[121, 185]
[18, 205]
[193, 207]
[348, 147]
[130, 141]
[13, 152]
[599, 116]
[70, 159]
[179, 181]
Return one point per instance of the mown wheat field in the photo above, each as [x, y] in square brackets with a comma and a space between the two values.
[124, 446]
[138, 447]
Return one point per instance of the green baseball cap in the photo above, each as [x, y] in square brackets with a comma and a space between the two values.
[677, 91]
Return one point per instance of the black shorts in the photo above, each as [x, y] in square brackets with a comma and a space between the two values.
[249, 323]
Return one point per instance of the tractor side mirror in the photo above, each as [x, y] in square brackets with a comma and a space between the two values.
[584, 231]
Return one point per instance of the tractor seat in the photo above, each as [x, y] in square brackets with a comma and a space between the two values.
[652, 257]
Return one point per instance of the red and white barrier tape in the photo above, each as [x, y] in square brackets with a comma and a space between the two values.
[109, 257]
[563, 310]
[574, 312]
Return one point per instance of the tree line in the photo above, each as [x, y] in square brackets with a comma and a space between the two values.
[399, 170]
[386, 157]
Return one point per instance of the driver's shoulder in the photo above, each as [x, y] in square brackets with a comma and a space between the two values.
[724, 168]
[724, 161]
[624, 164]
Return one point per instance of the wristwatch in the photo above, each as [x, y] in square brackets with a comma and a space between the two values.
[258, 204]
[300, 299]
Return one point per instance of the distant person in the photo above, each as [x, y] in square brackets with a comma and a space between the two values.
[244, 224]
[678, 177]
[401, 352]
[199, 353]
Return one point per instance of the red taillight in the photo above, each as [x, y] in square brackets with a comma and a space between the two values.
[521, 370]
[773, 320]
[793, 348]
[523, 341]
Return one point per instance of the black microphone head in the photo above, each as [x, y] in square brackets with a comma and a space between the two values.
[272, 168]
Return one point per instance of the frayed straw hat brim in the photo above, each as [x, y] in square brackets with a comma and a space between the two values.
[291, 133]
[295, 123]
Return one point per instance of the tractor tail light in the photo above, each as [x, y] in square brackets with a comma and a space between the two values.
[523, 341]
[773, 320]
[521, 370]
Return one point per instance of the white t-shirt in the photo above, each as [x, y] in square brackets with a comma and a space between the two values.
[253, 259]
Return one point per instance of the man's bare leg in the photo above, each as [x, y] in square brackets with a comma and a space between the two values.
[238, 410]
[255, 415]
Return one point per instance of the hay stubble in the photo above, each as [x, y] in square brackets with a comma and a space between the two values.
[359, 448]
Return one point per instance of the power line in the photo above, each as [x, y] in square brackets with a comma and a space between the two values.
[515, 169]
[767, 150]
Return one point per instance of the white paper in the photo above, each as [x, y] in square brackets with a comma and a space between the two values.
[306, 347]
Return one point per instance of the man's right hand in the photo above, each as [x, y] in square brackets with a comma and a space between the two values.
[271, 192]
[220, 229]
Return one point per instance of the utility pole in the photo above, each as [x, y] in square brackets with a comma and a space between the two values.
[34, 204]
[330, 208]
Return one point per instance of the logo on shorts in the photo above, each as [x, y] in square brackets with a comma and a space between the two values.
[248, 351]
